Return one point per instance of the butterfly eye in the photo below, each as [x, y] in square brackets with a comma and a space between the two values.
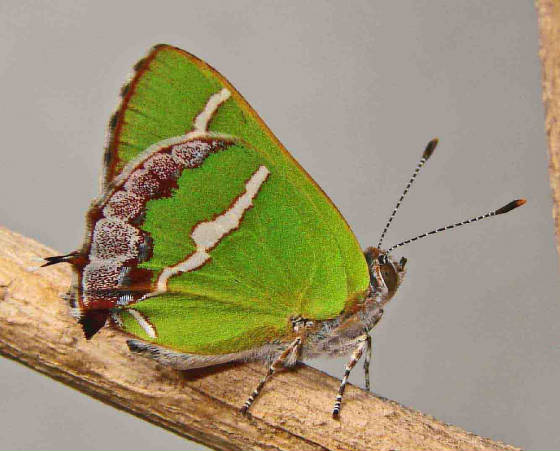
[402, 263]
[382, 259]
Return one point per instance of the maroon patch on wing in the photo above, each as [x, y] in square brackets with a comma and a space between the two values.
[101, 276]
[123, 205]
[193, 153]
[143, 184]
[163, 166]
[114, 239]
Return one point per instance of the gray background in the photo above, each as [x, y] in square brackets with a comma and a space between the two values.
[354, 89]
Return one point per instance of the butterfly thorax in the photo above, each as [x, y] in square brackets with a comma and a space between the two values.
[338, 336]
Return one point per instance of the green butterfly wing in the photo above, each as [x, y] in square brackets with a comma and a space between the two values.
[292, 253]
[201, 325]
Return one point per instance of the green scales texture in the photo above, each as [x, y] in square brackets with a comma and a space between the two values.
[293, 254]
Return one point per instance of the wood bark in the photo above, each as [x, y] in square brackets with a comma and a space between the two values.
[292, 413]
[549, 26]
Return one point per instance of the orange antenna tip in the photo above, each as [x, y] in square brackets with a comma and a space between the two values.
[510, 206]
[430, 147]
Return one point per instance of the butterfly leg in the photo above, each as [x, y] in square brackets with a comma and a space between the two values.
[362, 345]
[367, 361]
[278, 363]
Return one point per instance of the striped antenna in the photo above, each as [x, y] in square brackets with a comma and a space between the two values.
[425, 155]
[499, 211]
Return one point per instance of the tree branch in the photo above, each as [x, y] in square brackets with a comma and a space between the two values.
[549, 25]
[292, 413]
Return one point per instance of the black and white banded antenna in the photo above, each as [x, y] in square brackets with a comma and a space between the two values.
[499, 211]
[425, 155]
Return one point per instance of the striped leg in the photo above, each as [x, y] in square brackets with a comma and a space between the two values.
[362, 345]
[278, 363]
[367, 361]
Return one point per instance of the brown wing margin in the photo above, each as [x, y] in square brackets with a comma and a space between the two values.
[110, 156]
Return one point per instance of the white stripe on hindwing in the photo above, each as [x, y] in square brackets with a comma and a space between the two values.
[143, 322]
[207, 235]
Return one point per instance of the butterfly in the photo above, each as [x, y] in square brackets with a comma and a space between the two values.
[211, 244]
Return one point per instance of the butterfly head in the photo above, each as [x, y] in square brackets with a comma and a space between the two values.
[386, 272]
